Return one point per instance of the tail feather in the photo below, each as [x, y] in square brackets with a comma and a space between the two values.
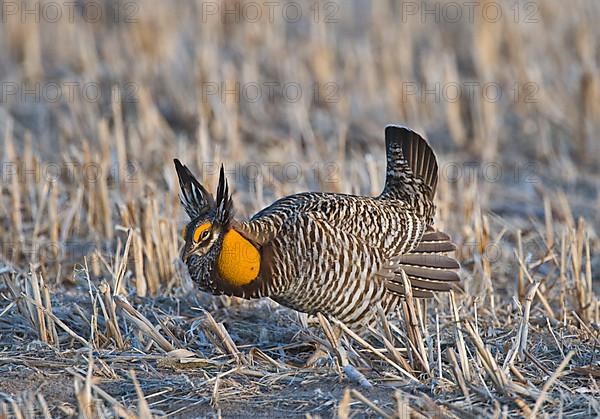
[411, 164]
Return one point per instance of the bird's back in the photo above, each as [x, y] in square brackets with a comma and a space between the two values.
[389, 225]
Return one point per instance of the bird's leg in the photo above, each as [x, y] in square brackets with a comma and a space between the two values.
[333, 336]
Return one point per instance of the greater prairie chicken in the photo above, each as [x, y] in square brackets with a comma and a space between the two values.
[340, 255]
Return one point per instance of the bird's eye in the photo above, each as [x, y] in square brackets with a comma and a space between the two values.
[202, 232]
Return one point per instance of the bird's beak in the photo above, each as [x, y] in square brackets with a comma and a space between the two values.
[186, 252]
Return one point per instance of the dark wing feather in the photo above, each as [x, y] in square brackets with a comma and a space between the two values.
[427, 269]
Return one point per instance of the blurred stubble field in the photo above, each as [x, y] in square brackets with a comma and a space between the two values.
[97, 98]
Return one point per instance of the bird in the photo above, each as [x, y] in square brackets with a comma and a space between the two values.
[344, 256]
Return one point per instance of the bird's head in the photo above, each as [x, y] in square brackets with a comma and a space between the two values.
[210, 220]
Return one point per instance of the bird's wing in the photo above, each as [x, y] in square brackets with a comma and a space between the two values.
[266, 224]
[259, 231]
[426, 266]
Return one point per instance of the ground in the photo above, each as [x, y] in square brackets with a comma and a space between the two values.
[98, 317]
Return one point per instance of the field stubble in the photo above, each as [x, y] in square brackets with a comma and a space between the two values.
[97, 317]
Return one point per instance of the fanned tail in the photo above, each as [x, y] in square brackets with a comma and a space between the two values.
[412, 170]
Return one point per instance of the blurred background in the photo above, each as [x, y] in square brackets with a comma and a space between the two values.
[97, 98]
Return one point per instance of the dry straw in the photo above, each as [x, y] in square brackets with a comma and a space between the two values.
[99, 318]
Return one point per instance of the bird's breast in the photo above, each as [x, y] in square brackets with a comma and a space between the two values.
[239, 261]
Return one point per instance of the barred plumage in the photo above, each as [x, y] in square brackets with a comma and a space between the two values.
[337, 254]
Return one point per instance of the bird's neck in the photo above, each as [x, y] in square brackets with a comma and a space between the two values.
[239, 261]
